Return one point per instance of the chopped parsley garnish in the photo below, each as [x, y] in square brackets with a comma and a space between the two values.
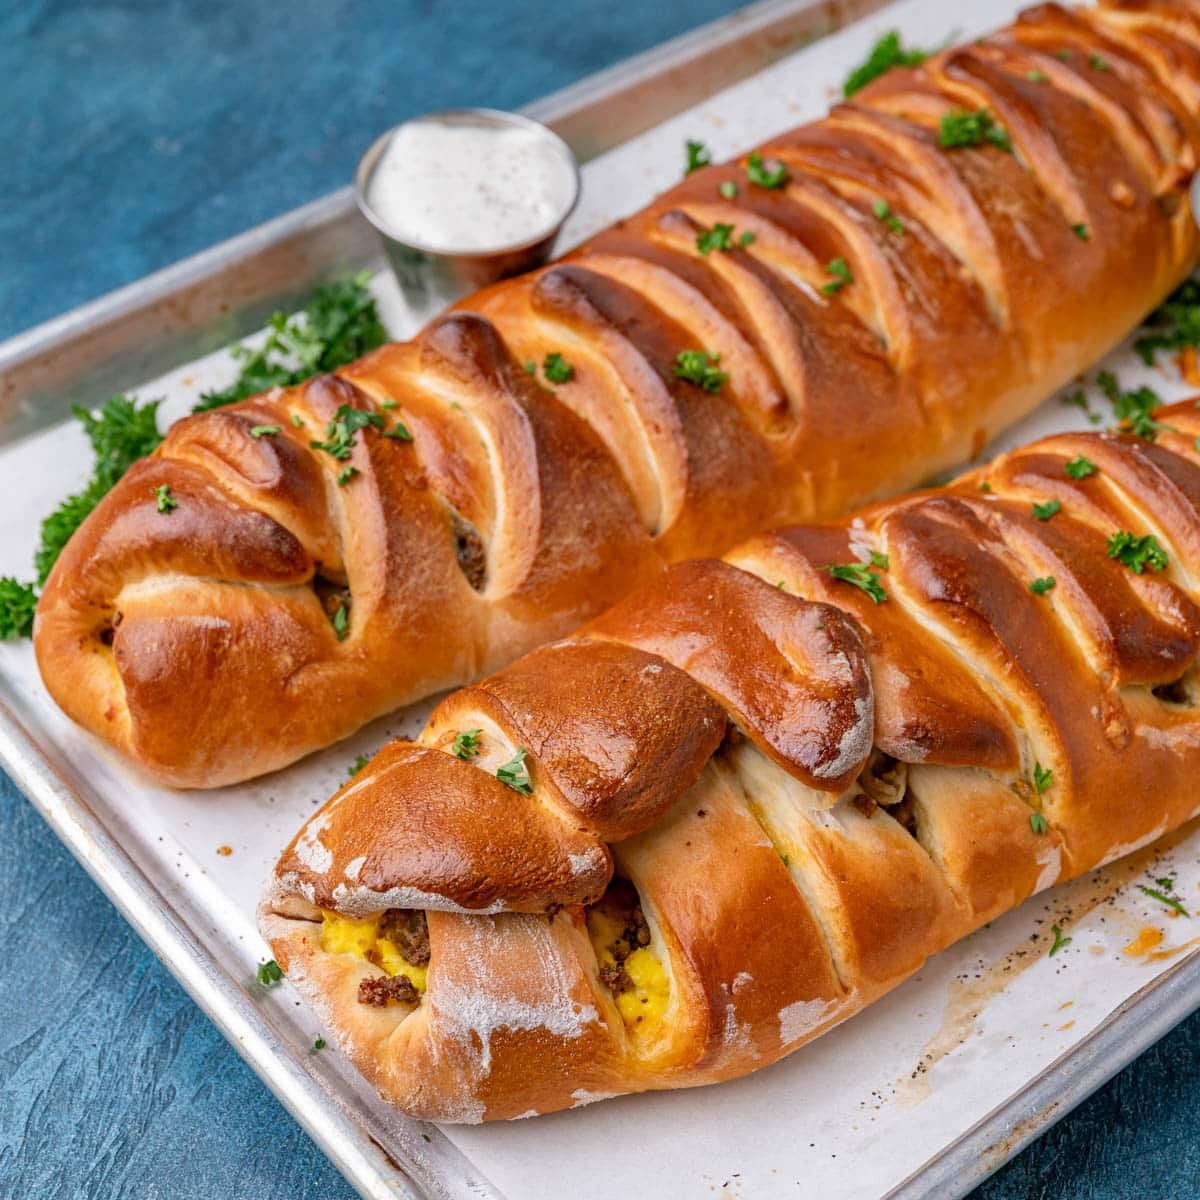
[728, 189]
[339, 433]
[719, 237]
[17, 604]
[959, 128]
[1043, 778]
[1080, 467]
[269, 973]
[389, 403]
[1038, 823]
[745, 238]
[399, 431]
[861, 576]
[319, 1044]
[700, 367]
[1044, 512]
[337, 325]
[1174, 325]
[883, 210]
[841, 276]
[1132, 409]
[1063, 54]
[1137, 553]
[360, 761]
[887, 53]
[557, 369]
[297, 420]
[466, 743]
[1036, 76]
[772, 176]
[345, 475]
[530, 367]
[1078, 399]
[1039, 587]
[697, 156]
[879, 560]
[341, 622]
[1163, 898]
[1059, 941]
[163, 500]
[262, 431]
[1099, 64]
[515, 773]
[1081, 232]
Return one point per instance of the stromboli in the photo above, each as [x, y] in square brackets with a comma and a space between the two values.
[792, 802]
[199, 642]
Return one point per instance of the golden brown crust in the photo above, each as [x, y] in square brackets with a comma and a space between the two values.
[524, 506]
[780, 898]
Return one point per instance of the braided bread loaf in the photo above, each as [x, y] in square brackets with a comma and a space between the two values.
[866, 301]
[722, 818]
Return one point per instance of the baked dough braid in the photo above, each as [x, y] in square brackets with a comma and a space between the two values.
[761, 793]
[873, 309]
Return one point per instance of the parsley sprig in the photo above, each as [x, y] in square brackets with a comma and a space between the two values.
[466, 743]
[883, 210]
[698, 156]
[1139, 554]
[17, 604]
[338, 324]
[959, 128]
[719, 237]
[766, 173]
[557, 369]
[887, 53]
[1160, 894]
[861, 576]
[269, 973]
[841, 273]
[515, 773]
[700, 367]
[1060, 942]
[339, 433]
[1134, 410]
[1174, 325]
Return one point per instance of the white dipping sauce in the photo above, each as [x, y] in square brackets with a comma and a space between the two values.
[470, 186]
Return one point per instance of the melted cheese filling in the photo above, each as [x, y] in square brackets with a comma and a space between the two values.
[643, 1004]
[360, 937]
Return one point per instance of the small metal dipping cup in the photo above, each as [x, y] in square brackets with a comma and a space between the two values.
[432, 277]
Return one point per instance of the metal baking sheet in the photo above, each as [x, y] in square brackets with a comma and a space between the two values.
[922, 1095]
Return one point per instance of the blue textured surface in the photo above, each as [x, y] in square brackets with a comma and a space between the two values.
[166, 127]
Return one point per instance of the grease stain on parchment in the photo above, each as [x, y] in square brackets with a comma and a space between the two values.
[969, 994]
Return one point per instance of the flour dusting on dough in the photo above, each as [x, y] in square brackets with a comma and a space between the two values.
[856, 742]
[310, 850]
[800, 1018]
[473, 1010]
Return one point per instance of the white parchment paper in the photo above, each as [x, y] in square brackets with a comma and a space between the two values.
[850, 1115]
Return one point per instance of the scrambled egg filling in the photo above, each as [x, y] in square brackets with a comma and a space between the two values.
[640, 986]
[361, 937]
